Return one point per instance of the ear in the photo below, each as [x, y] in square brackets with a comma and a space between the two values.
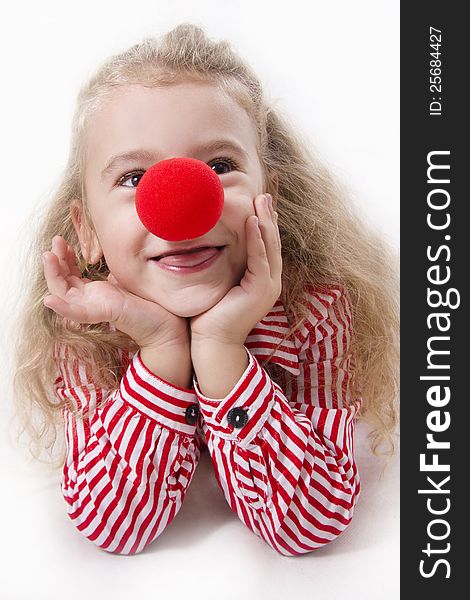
[87, 237]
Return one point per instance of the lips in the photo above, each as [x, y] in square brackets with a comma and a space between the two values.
[189, 259]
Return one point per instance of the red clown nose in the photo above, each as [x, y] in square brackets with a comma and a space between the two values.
[179, 199]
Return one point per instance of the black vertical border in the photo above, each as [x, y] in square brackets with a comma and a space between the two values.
[421, 134]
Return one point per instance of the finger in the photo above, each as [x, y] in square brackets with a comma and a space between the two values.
[55, 280]
[257, 260]
[277, 267]
[270, 234]
[65, 309]
[72, 261]
[59, 248]
[66, 255]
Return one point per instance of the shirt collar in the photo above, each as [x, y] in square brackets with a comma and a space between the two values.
[267, 334]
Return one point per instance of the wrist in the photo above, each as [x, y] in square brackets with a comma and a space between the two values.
[231, 361]
[161, 340]
[170, 345]
[200, 342]
[148, 329]
[171, 362]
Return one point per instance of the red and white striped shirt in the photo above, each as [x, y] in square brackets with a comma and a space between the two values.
[285, 465]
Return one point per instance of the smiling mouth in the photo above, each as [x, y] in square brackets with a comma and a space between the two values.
[190, 258]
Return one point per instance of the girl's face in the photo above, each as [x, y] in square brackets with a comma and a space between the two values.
[184, 120]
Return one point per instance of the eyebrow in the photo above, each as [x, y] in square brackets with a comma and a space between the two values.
[116, 161]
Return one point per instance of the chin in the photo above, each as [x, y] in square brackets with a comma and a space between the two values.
[193, 304]
[189, 312]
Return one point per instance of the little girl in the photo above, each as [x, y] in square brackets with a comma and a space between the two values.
[259, 342]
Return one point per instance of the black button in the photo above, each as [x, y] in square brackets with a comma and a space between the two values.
[237, 417]
[191, 414]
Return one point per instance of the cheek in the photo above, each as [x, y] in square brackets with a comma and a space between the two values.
[120, 233]
[236, 211]
[118, 217]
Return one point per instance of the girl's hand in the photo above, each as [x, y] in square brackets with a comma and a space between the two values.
[231, 320]
[84, 301]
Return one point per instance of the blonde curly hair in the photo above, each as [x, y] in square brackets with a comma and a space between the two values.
[323, 241]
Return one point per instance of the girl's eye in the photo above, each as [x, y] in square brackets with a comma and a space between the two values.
[223, 165]
[133, 177]
[220, 165]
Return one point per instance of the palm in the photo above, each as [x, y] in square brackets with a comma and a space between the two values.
[93, 301]
[76, 297]
[84, 301]
[232, 319]
[222, 318]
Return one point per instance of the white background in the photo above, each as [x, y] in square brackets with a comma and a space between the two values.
[333, 68]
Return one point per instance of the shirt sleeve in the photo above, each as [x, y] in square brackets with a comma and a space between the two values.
[284, 459]
[130, 453]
